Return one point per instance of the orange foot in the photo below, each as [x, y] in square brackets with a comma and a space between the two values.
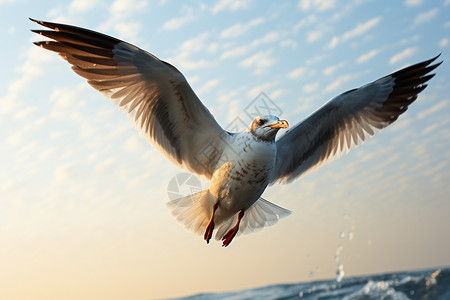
[210, 228]
[228, 237]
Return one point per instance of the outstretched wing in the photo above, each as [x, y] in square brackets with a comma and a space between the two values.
[348, 120]
[154, 93]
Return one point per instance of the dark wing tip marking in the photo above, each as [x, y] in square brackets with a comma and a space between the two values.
[408, 83]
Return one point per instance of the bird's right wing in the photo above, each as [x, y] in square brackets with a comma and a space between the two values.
[348, 120]
[152, 92]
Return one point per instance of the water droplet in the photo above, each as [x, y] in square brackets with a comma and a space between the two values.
[342, 235]
[300, 294]
[350, 236]
[336, 258]
[308, 256]
[340, 273]
[311, 274]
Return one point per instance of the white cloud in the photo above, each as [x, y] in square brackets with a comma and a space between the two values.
[196, 43]
[82, 6]
[178, 22]
[125, 8]
[435, 108]
[367, 56]
[297, 73]
[231, 5]
[426, 16]
[402, 55]
[270, 37]
[313, 35]
[359, 29]
[207, 86]
[119, 11]
[255, 91]
[127, 30]
[413, 2]
[239, 28]
[309, 88]
[260, 61]
[331, 69]
[339, 82]
[183, 62]
[333, 43]
[235, 52]
[305, 22]
[320, 5]
[443, 42]
[288, 43]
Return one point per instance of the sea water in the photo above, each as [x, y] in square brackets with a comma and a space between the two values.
[429, 284]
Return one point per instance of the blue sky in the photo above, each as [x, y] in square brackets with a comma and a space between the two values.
[82, 195]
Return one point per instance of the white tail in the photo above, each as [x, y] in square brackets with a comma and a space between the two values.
[194, 212]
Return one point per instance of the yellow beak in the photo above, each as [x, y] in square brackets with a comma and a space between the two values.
[280, 124]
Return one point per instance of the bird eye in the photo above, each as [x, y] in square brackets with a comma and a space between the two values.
[261, 121]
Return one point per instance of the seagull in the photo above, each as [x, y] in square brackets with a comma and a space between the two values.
[159, 100]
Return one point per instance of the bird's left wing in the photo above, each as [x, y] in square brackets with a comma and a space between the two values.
[348, 120]
[152, 92]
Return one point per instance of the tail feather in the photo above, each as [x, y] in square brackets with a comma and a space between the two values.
[194, 211]
[261, 214]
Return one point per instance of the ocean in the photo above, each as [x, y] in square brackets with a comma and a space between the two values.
[431, 284]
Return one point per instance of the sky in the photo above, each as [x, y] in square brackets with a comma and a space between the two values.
[83, 197]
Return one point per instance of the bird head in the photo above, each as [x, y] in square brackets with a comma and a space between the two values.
[266, 127]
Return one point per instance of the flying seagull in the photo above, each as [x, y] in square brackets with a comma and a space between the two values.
[240, 166]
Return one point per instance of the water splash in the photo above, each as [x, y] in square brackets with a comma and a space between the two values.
[340, 273]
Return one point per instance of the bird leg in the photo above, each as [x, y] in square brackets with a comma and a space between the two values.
[210, 227]
[227, 238]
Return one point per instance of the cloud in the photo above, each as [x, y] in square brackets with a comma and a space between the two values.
[270, 37]
[239, 28]
[260, 61]
[120, 11]
[32, 67]
[426, 16]
[207, 86]
[443, 43]
[255, 91]
[305, 22]
[196, 43]
[231, 5]
[320, 5]
[183, 62]
[359, 29]
[339, 82]
[178, 22]
[296, 73]
[333, 43]
[125, 8]
[309, 88]
[435, 108]
[402, 55]
[367, 56]
[313, 35]
[331, 69]
[235, 52]
[288, 43]
[82, 6]
[413, 2]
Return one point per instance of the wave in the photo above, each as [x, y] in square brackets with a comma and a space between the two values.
[427, 284]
